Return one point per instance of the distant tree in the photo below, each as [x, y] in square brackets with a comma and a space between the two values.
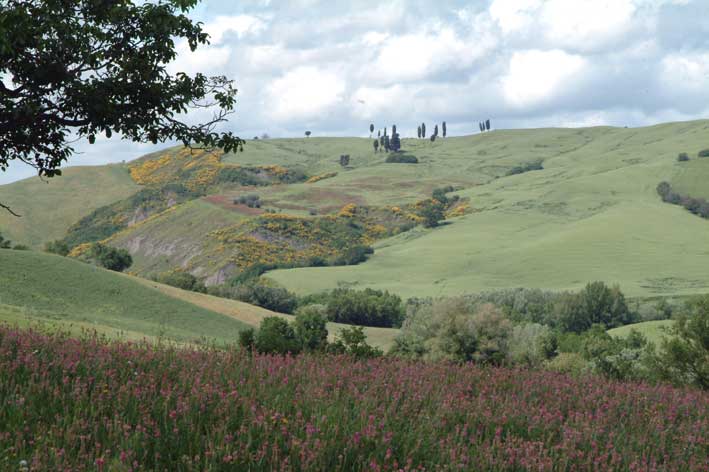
[682, 157]
[352, 341]
[371, 129]
[703, 153]
[255, 138]
[444, 129]
[423, 130]
[181, 279]
[387, 143]
[385, 131]
[110, 258]
[395, 142]
[435, 130]
[433, 137]
[247, 339]
[276, 336]
[684, 355]
[393, 130]
[376, 145]
[379, 133]
[480, 125]
[265, 136]
[418, 132]
[345, 160]
[487, 125]
[595, 304]
[307, 134]
[310, 328]
[5, 243]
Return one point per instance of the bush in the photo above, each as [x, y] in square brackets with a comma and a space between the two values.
[352, 341]
[353, 255]
[367, 307]
[616, 357]
[704, 153]
[310, 328]
[531, 344]
[432, 211]
[398, 158]
[595, 304]
[682, 157]
[569, 363]
[256, 293]
[251, 201]
[181, 279]
[526, 167]
[276, 336]
[247, 339]
[108, 257]
[57, 247]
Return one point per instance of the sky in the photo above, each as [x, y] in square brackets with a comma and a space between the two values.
[335, 67]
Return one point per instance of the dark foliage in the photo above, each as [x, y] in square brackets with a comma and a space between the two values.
[81, 68]
[181, 279]
[367, 307]
[682, 157]
[401, 159]
[276, 336]
[526, 167]
[698, 206]
[250, 200]
[108, 257]
[703, 153]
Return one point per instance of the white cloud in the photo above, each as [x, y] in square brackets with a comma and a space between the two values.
[686, 72]
[303, 93]
[536, 76]
[242, 25]
[514, 15]
[205, 59]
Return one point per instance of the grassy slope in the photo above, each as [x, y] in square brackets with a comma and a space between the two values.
[591, 214]
[654, 331]
[37, 286]
[49, 207]
[691, 179]
[252, 315]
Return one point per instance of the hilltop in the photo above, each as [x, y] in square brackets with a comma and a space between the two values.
[548, 208]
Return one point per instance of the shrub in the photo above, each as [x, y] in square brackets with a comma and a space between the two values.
[108, 257]
[181, 279]
[569, 363]
[310, 328]
[250, 200]
[21, 247]
[276, 336]
[255, 292]
[57, 247]
[352, 341]
[616, 357]
[432, 211]
[397, 158]
[247, 339]
[704, 153]
[353, 255]
[526, 167]
[531, 344]
[595, 304]
[366, 307]
[682, 157]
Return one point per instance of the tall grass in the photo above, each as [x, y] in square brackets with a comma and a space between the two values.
[92, 404]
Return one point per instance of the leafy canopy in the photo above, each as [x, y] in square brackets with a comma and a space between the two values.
[72, 69]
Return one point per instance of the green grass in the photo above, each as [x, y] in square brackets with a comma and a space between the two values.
[48, 207]
[691, 178]
[64, 292]
[654, 331]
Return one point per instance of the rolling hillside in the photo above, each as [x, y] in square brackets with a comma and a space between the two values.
[70, 294]
[48, 207]
[591, 213]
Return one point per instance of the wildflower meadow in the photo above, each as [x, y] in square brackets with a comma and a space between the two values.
[93, 404]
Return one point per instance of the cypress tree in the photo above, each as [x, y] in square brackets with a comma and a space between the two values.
[433, 137]
[418, 132]
[371, 128]
[376, 145]
[423, 130]
[395, 143]
[487, 125]
[435, 130]
[444, 129]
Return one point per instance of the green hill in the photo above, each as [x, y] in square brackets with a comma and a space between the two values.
[654, 331]
[591, 212]
[71, 294]
[48, 207]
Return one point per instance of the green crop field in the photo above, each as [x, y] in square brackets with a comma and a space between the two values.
[68, 293]
[654, 331]
[48, 207]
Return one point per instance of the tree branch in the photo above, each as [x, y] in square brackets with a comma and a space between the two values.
[10, 210]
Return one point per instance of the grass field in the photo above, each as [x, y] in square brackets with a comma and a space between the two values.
[654, 331]
[48, 207]
[64, 292]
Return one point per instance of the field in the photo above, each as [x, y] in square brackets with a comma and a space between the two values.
[654, 331]
[592, 213]
[48, 207]
[65, 293]
[86, 404]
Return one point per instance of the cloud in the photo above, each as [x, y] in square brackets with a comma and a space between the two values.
[304, 93]
[337, 66]
[535, 76]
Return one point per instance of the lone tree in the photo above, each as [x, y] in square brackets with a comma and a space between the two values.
[443, 126]
[435, 130]
[371, 129]
[376, 145]
[480, 125]
[423, 130]
[433, 137]
[307, 134]
[487, 125]
[345, 160]
[395, 142]
[418, 132]
[387, 143]
[393, 130]
[74, 69]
